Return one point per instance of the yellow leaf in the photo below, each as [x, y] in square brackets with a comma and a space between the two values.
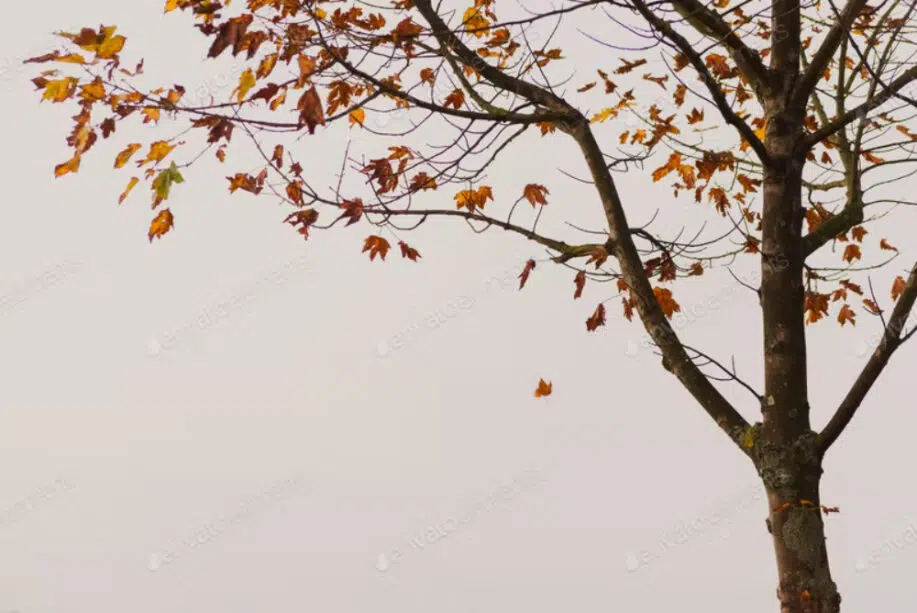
[126, 154]
[60, 89]
[72, 58]
[150, 114]
[161, 224]
[171, 5]
[110, 45]
[127, 190]
[158, 151]
[71, 165]
[357, 116]
[266, 66]
[246, 82]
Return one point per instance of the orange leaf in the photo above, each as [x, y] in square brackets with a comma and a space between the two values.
[376, 245]
[529, 267]
[851, 253]
[846, 314]
[665, 300]
[408, 252]
[161, 224]
[127, 190]
[544, 388]
[535, 193]
[898, 288]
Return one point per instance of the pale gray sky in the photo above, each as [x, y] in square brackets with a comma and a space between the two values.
[305, 417]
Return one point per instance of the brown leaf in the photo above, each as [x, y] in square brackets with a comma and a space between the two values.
[580, 282]
[529, 267]
[376, 245]
[597, 319]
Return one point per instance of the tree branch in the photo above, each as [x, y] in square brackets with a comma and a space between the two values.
[891, 340]
[675, 358]
[746, 58]
[722, 104]
[826, 51]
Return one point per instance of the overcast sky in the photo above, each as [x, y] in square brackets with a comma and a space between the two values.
[233, 420]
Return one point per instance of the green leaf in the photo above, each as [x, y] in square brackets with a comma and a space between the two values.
[163, 182]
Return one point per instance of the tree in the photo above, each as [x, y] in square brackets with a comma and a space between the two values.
[810, 131]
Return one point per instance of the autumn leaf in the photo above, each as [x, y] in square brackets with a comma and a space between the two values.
[127, 190]
[407, 252]
[872, 306]
[535, 193]
[246, 82]
[357, 116]
[898, 287]
[851, 253]
[580, 282]
[883, 244]
[666, 302]
[60, 89]
[597, 319]
[161, 224]
[71, 165]
[846, 314]
[125, 155]
[311, 113]
[163, 183]
[544, 388]
[158, 151]
[376, 245]
[524, 276]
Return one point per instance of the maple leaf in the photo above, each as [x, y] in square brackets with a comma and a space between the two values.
[163, 183]
[851, 253]
[246, 82]
[858, 233]
[544, 388]
[310, 110]
[376, 245]
[535, 193]
[524, 276]
[846, 314]
[161, 224]
[408, 252]
[872, 306]
[898, 287]
[815, 305]
[357, 116]
[580, 282]
[666, 302]
[456, 99]
[597, 318]
[883, 244]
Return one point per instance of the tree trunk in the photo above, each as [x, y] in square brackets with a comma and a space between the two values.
[791, 474]
[785, 450]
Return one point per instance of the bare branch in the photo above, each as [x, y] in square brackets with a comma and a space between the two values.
[891, 340]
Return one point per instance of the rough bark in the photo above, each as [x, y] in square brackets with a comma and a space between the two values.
[786, 452]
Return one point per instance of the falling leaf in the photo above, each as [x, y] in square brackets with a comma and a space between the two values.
[544, 388]
[71, 165]
[883, 244]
